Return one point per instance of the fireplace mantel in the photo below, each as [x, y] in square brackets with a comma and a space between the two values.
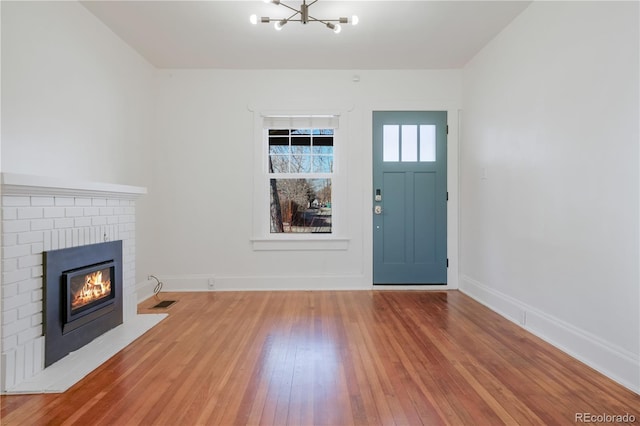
[22, 184]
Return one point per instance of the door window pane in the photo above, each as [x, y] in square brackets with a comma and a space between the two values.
[410, 143]
[427, 143]
[390, 142]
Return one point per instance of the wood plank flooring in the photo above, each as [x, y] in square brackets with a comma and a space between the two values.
[329, 358]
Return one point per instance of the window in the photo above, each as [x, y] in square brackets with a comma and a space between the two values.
[300, 173]
[409, 143]
[300, 186]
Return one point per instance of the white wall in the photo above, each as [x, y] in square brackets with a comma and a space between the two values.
[77, 106]
[76, 101]
[201, 198]
[549, 182]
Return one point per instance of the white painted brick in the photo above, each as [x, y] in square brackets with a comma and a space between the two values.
[41, 224]
[9, 239]
[38, 353]
[53, 212]
[9, 367]
[9, 213]
[30, 212]
[64, 201]
[15, 226]
[81, 222]
[28, 358]
[98, 220]
[37, 271]
[36, 319]
[9, 343]
[62, 242]
[47, 241]
[16, 327]
[26, 262]
[29, 334]
[9, 290]
[54, 240]
[15, 301]
[41, 201]
[30, 237]
[19, 363]
[9, 316]
[29, 285]
[37, 248]
[9, 265]
[63, 223]
[15, 276]
[127, 218]
[73, 211]
[13, 200]
[16, 251]
[37, 295]
[29, 310]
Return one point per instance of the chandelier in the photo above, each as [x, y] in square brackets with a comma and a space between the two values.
[302, 15]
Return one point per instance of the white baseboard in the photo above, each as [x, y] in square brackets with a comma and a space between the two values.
[614, 362]
[200, 282]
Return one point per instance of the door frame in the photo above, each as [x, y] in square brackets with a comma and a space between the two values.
[453, 145]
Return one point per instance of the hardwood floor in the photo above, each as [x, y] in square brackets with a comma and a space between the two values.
[329, 358]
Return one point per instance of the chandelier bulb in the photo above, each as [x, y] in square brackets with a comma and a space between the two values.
[337, 28]
[355, 20]
[253, 19]
[279, 24]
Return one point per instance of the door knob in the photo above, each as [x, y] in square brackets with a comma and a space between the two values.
[377, 209]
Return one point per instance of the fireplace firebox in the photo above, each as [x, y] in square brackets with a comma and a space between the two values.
[83, 296]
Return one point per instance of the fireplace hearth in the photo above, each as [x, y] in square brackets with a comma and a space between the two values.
[83, 296]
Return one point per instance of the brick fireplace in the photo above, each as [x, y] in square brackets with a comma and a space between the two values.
[44, 214]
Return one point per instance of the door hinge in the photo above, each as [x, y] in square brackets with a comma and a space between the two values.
[447, 262]
[447, 195]
[447, 129]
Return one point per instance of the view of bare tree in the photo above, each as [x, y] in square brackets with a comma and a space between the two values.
[300, 204]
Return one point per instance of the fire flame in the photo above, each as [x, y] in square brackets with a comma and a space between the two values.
[94, 288]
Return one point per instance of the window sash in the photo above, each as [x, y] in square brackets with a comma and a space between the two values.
[300, 121]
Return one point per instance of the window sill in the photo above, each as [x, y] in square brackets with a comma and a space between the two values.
[297, 244]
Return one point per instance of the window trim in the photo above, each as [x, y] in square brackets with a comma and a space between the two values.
[262, 239]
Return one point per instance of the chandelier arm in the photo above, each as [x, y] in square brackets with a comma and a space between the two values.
[284, 19]
[291, 8]
[297, 13]
[324, 21]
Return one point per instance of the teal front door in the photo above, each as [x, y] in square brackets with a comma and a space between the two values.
[409, 197]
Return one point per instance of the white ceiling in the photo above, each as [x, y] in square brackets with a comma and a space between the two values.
[393, 34]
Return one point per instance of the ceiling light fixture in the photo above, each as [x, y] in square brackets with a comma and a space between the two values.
[302, 15]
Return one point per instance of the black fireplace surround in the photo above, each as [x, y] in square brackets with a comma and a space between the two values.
[70, 321]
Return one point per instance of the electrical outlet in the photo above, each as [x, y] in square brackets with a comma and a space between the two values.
[212, 283]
